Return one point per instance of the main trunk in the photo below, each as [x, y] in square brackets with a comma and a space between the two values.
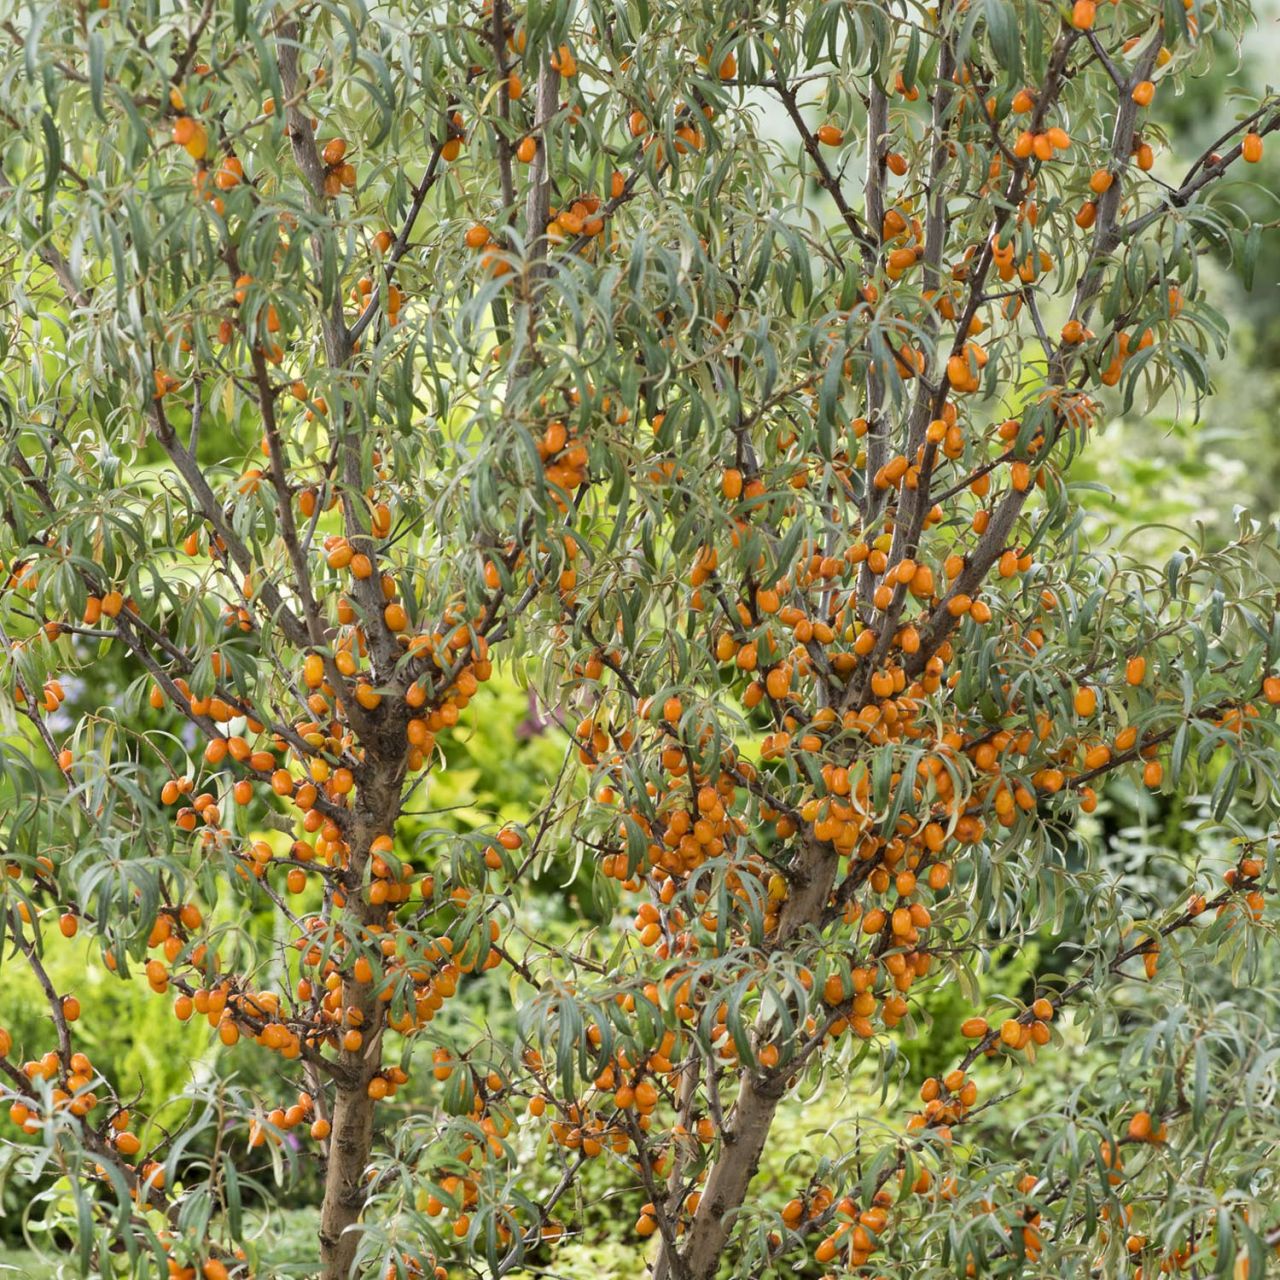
[748, 1123]
[351, 1132]
[350, 1142]
[727, 1183]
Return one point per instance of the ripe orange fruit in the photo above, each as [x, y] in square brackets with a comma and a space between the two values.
[1140, 1126]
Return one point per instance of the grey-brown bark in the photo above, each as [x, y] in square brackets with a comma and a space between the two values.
[749, 1121]
[350, 1142]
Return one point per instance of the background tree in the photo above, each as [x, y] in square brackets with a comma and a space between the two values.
[350, 352]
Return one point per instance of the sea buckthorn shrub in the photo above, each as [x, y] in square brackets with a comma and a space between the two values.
[351, 352]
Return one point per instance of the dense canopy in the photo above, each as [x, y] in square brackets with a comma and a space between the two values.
[717, 371]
